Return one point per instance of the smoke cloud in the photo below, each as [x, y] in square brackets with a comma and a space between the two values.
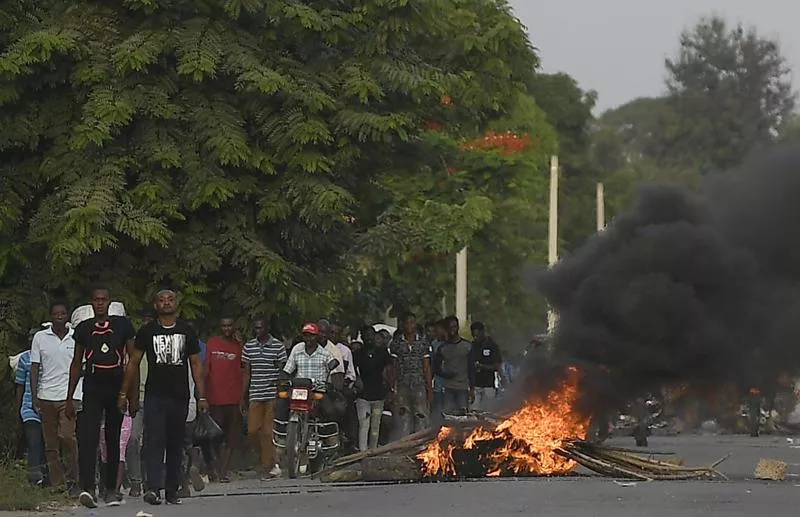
[697, 287]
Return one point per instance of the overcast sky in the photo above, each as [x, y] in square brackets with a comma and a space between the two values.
[617, 47]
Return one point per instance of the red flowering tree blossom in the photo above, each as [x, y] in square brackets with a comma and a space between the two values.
[507, 143]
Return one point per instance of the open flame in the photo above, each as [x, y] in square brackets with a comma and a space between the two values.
[524, 444]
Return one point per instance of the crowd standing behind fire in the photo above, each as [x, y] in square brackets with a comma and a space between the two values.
[103, 393]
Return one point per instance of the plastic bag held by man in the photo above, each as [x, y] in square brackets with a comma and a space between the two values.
[206, 430]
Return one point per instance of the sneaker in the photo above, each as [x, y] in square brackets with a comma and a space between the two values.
[136, 489]
[198, 483]
[113, 499]
[173, 499]
[275, 472]
[87, 500]
[152, 498]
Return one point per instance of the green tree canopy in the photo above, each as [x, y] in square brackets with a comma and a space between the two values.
[231, 148]
[730, 90]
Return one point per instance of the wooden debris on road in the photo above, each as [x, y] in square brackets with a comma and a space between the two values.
[614, 462]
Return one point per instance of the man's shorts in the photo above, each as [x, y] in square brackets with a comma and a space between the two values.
[229, 418]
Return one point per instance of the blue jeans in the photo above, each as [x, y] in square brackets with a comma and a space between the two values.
[411, 412]
[36, 459]
[455, 399]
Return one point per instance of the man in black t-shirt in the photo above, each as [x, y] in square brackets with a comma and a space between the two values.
[171, 345]
[103, 341]
[371, 362]
[487, 361]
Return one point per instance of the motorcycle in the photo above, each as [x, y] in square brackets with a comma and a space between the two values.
[306, 438]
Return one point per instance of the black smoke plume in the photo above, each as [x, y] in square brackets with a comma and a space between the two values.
[688, 287]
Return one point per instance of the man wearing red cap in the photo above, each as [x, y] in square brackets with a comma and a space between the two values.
[308, 360]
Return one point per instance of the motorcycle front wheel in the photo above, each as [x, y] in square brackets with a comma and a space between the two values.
[294, 443]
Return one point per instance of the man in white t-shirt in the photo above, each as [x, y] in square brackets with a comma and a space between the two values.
[337, 374]
[51, 355]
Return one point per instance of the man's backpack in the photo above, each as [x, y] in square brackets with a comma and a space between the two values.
[103, 354]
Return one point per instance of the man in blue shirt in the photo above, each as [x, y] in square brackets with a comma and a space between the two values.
[31, 422]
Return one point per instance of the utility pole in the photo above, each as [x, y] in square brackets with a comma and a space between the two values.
[461, 286]
[552, 234]
[601, 208]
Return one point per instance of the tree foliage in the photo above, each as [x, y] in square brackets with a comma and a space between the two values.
[730, 90]
[729, 93]
[241, 151]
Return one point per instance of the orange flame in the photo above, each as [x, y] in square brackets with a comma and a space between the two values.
[527, 440]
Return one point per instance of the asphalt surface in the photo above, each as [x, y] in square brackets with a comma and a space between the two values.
[563, 497]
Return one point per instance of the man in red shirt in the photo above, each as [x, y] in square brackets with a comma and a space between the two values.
[224, 387]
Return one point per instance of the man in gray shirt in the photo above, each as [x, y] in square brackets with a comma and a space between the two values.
[452, 363]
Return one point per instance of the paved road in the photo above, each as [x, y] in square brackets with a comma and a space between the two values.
[562, 497]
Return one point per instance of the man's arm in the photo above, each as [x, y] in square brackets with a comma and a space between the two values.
[291, 364]
[245, 385]
[336, 354]
[131, 379]
[20, 377]
[133, 390]
[75, 373]
[471, 368]
[499, 364]
[18, 394]
[427, 373]
[36, 359]
[35, 385]
[351, 368]
[199, 385]
[206, 363]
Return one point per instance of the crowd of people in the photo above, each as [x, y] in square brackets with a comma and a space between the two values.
[101, 393]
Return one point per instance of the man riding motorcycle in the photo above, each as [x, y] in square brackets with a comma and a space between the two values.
[310, 366]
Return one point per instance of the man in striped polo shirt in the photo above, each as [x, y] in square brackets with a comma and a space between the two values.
[263, 359]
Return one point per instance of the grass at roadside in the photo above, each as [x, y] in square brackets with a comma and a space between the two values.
[16, 493]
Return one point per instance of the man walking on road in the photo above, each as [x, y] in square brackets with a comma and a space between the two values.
[29, 418]
[414, 382]
[453, 363]
[52, 353]
[486, 360]
[372, 363]
[171, 345]
[134, 454]
[223, 366]
[103, 341]
[263, 359]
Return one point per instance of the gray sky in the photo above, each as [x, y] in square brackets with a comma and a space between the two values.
[617, 47]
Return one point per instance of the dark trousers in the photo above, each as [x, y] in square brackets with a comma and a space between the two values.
[164, 426]
[97, 403]
[455, 399]
[35, 443]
